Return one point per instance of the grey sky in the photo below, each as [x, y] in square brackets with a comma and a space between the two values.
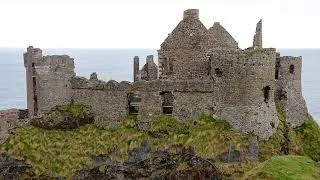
[146, 23]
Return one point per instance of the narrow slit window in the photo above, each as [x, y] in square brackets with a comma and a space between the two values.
[291, 69]
[266, 93]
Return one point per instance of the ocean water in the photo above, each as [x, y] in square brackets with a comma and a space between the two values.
[116, 64]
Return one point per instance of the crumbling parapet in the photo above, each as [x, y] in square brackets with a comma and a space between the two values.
[149, 71]
[136, 73]
[257, 39]
[289, 92]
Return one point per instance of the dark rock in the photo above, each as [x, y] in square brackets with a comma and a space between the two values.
[232, 155]
[198, 168]
[58, 118]
[162, 164]
[11, 168]
[139, 154]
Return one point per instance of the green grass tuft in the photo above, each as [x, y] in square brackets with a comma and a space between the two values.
[62, 153]
[308, 137]
[286, 167]
[75, 109]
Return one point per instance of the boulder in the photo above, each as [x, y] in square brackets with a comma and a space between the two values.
[65, 117]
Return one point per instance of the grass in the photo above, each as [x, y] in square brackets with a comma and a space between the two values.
[75, 109]
[62, 153]
[286, 167]
[303, 140]
[308, 138]
[272, 147]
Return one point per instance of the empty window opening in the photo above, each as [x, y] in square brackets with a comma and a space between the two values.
[35, 99]
[133, 103]
[291, 69]
[218, 72]
[277, 74]
[266, 93]
[277, 70]
[167, 102]
[34, 82]
[32, 64]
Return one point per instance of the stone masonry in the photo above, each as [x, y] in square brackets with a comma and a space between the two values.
[201, 71]
[257, 39]
[10, 119]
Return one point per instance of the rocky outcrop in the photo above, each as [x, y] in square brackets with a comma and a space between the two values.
[176, 162]
[11, 168]
[65, 117]
[10, 119]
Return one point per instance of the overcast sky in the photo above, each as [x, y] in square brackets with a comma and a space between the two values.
[146, 23]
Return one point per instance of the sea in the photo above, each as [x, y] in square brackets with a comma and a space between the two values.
[116, 64]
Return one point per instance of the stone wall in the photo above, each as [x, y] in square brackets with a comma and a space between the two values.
[179, 54]
[217, 37]
[289, 92]
[188, 105]
[109, 100]
[32, 57]
[10, 119]
[245, 85]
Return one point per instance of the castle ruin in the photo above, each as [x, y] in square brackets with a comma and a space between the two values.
[199, 71]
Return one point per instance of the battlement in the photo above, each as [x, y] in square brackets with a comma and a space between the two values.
[191, 14]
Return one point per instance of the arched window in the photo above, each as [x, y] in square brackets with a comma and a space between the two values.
[266, 93]
[291, 69]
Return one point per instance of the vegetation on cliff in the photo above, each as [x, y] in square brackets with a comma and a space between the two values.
[60, 153]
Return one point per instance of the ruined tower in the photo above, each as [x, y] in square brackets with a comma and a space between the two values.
[289, 94]
[48, 80]
[257, 39]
